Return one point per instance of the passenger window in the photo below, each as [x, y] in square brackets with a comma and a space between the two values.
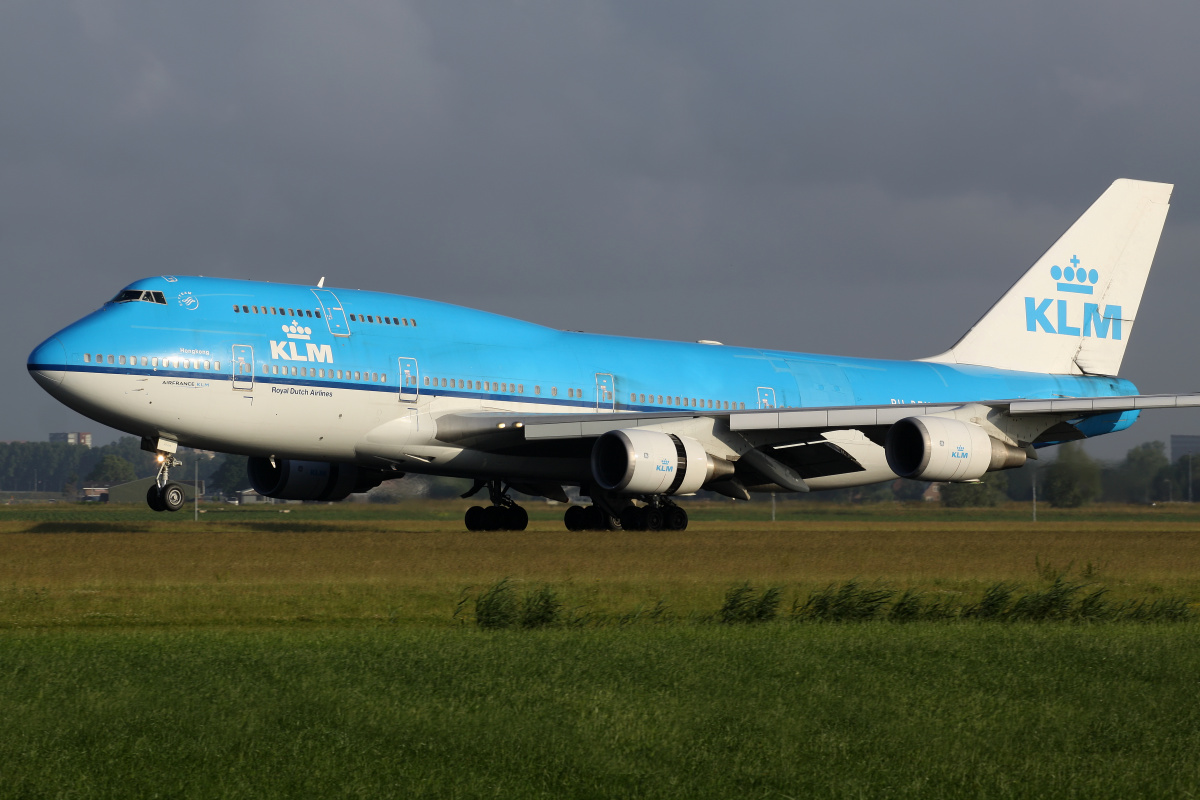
[406, 323]
[245, 309]
[274, 310]
[154, 361]
[217, 366]
[255, 309]
[122, 359]
[274, 369]
[520, 388]
[383, 378]
[642, 398]
[236, 310]
[208, 365]
[537, 390]
[87, 357]
[554, 391]
[633, 397]
[369, 318]
[317, 314]
[426, 380]
[414, 322]
[387, 320]
[308, 311]
[266, 369]
[357, 375]
[320, 373]
[443, 381]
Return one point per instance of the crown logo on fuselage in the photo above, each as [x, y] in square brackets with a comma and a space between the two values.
[297, 331]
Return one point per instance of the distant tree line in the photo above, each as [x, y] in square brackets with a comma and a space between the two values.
[67, 468]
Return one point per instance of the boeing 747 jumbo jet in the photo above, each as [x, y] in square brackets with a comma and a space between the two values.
[333, 391]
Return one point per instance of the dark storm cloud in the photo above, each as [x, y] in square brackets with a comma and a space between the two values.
[860, 179]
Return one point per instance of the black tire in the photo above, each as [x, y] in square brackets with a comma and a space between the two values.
[474, 518]
[574, 519]
[493, 519]
[652, 518]
[173, 497]
[675, 519]
[518, 518]
[631, 518]
[593, 518]
[154, 499]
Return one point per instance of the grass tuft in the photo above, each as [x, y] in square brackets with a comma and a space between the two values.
[743, 605]
[540, 608]
[496, 606]
[849, 602]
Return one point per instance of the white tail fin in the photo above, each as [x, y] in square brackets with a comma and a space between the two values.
[1073, 311]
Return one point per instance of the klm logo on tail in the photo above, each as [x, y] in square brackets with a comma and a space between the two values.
[1073, 280]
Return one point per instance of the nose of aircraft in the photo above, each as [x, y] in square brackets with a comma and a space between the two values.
[46, 363]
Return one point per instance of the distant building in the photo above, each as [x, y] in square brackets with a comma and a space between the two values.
[1184, 446]
[84, 439]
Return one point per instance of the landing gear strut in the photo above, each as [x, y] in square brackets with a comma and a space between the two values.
[164, 494]
[502, 515]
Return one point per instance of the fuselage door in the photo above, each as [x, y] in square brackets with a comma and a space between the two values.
[243, 367]
[335, 317]
[766, 397]
[410, 380]
[606, 392]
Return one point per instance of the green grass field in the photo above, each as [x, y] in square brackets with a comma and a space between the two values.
[318, 653]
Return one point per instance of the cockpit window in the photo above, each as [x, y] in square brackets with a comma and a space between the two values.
[130, 295]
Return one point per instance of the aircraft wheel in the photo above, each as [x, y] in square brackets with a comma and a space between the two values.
[173, 497]
[675, 519]
[631, 518]
[154, 499]
[493, 518]
[595, 519]
[575, 519]
[517, 518]
[474, 518]
[652, 518]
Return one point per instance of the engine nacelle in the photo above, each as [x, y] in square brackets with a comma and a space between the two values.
[310, 480]
[942, 449]
[634, 461]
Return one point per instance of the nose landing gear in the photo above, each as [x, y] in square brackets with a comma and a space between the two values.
[164, 494]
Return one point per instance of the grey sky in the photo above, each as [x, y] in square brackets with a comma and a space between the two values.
[859, 179]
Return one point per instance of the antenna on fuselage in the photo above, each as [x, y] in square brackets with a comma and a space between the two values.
[321, 283]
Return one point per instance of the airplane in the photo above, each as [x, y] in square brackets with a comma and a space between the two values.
[333, 391]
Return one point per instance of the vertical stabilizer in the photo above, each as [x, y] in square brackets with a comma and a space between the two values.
[1072, 313]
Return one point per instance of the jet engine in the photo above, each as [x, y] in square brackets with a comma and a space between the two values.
[941, 449]
[633, 461]
[311, 480]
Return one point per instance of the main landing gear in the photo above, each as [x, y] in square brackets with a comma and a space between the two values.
[658, 514]
[502, 515]
[164, 494]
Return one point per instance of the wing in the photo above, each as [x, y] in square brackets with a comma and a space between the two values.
[786, 447]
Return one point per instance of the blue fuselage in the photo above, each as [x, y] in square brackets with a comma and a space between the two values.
[276, 341]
